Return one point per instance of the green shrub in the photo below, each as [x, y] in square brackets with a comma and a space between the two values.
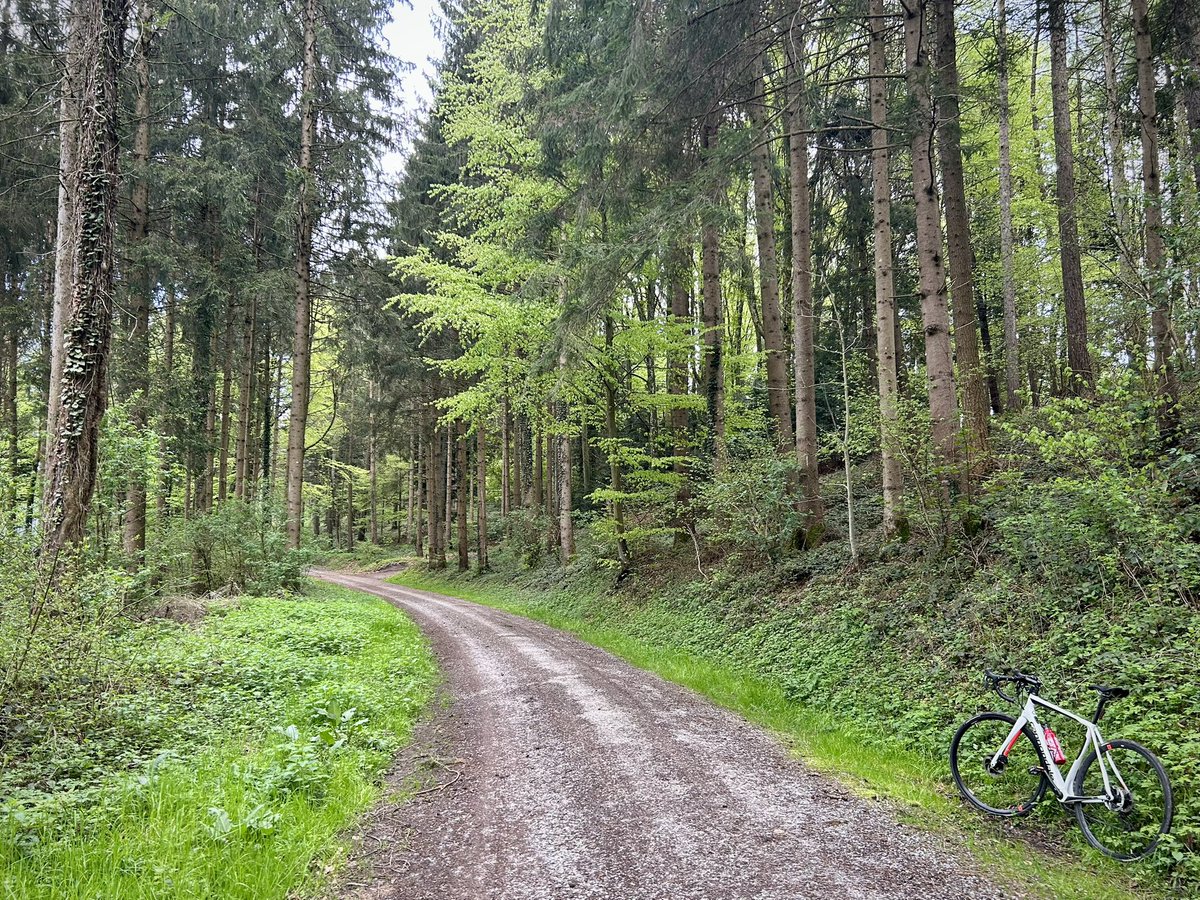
[234, 548]
[749, 508]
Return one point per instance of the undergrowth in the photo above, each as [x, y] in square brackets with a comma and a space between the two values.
[221, 759]
[883, 662]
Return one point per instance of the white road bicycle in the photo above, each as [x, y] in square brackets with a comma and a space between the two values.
[1118, 789]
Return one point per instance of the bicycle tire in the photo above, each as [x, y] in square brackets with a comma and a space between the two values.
[1157, 809]
[979, 752]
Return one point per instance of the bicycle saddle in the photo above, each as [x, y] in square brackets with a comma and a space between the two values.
[1110, 693]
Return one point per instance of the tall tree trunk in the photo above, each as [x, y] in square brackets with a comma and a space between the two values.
[301, 334]
[885, 292]
[481, 524]
[1074, 305]
[226, 405]
[958, 235]
[243, 465]
[372, 462]
[413, 463]
[1118, 187]
[1191, 94]
[712, 316]
[505, 459]
[461, 540]
[271, 435]
[939, 367]
[437, 499]
[350, 535]
[72, 453]
[566, 529]
[242, 455]
[1157, 290]
[71, 87]
[768, 271]
[677, 362]
[615, 475]
[539, 489]
[207, 470]
[805, 362]
[448, 493]
[134, 532]
[12, 362]
[552, 492]
[1012, 354]
[162, 501]
[421, 492]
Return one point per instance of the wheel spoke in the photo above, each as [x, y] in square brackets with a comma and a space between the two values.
[1009, 788]
[1130, 823]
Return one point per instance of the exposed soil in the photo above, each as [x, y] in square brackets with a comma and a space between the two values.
[556, 770]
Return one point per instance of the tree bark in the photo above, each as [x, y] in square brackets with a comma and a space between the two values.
[226, 405]
[539, 489]
[615, 474]
[162, 501]
[421, 492]
[1156, 288]
[712, 316]
[505, 459]
[134, 532]
[412, 488]
[242, 456]
[372, 462]
[805, 362]
[481, 524]
[448, 491]
[71, 86]
[72, 454]
[939, 366]
[243, 464]
[462, 542]
[1074, 304]
[566, 529]
[885, 292]
[301, 334]
[958, 236]
[768, 272]
[677, 361]
[437, 500]
[1012, 354]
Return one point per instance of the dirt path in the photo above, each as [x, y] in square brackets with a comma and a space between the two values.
[580, 776]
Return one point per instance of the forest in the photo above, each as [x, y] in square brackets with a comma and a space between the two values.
[854, 344]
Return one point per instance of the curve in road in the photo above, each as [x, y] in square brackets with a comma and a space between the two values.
[580, 777]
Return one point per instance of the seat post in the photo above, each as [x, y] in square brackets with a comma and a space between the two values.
[1100, 709]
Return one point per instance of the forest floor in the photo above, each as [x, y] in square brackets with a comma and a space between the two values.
[557, 770]
[237, 739]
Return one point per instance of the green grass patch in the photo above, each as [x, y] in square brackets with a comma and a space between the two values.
[652, 636]
[227, 758]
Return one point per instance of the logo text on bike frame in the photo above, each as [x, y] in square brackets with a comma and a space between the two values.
[1060, 784]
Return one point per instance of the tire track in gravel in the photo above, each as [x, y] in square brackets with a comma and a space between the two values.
[583, 777]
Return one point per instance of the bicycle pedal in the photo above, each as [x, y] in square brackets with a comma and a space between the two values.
[1036, 770]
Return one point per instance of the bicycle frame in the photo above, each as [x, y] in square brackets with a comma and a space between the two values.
[1061, 785]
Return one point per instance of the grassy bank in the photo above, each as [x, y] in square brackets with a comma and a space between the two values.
[226, 759]
[669, 630]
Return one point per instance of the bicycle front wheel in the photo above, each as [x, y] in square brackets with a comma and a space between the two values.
[1130, 824]
[1014, 784]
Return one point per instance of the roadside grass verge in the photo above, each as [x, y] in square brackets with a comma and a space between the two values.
[228, 760]
[1044, 859]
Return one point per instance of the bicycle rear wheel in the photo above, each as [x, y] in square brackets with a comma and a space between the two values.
[1015, 784]
[1129, 826]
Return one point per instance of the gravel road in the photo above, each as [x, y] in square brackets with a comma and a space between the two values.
[567, 773]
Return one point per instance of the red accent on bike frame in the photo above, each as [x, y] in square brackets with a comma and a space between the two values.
[1012, 743]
